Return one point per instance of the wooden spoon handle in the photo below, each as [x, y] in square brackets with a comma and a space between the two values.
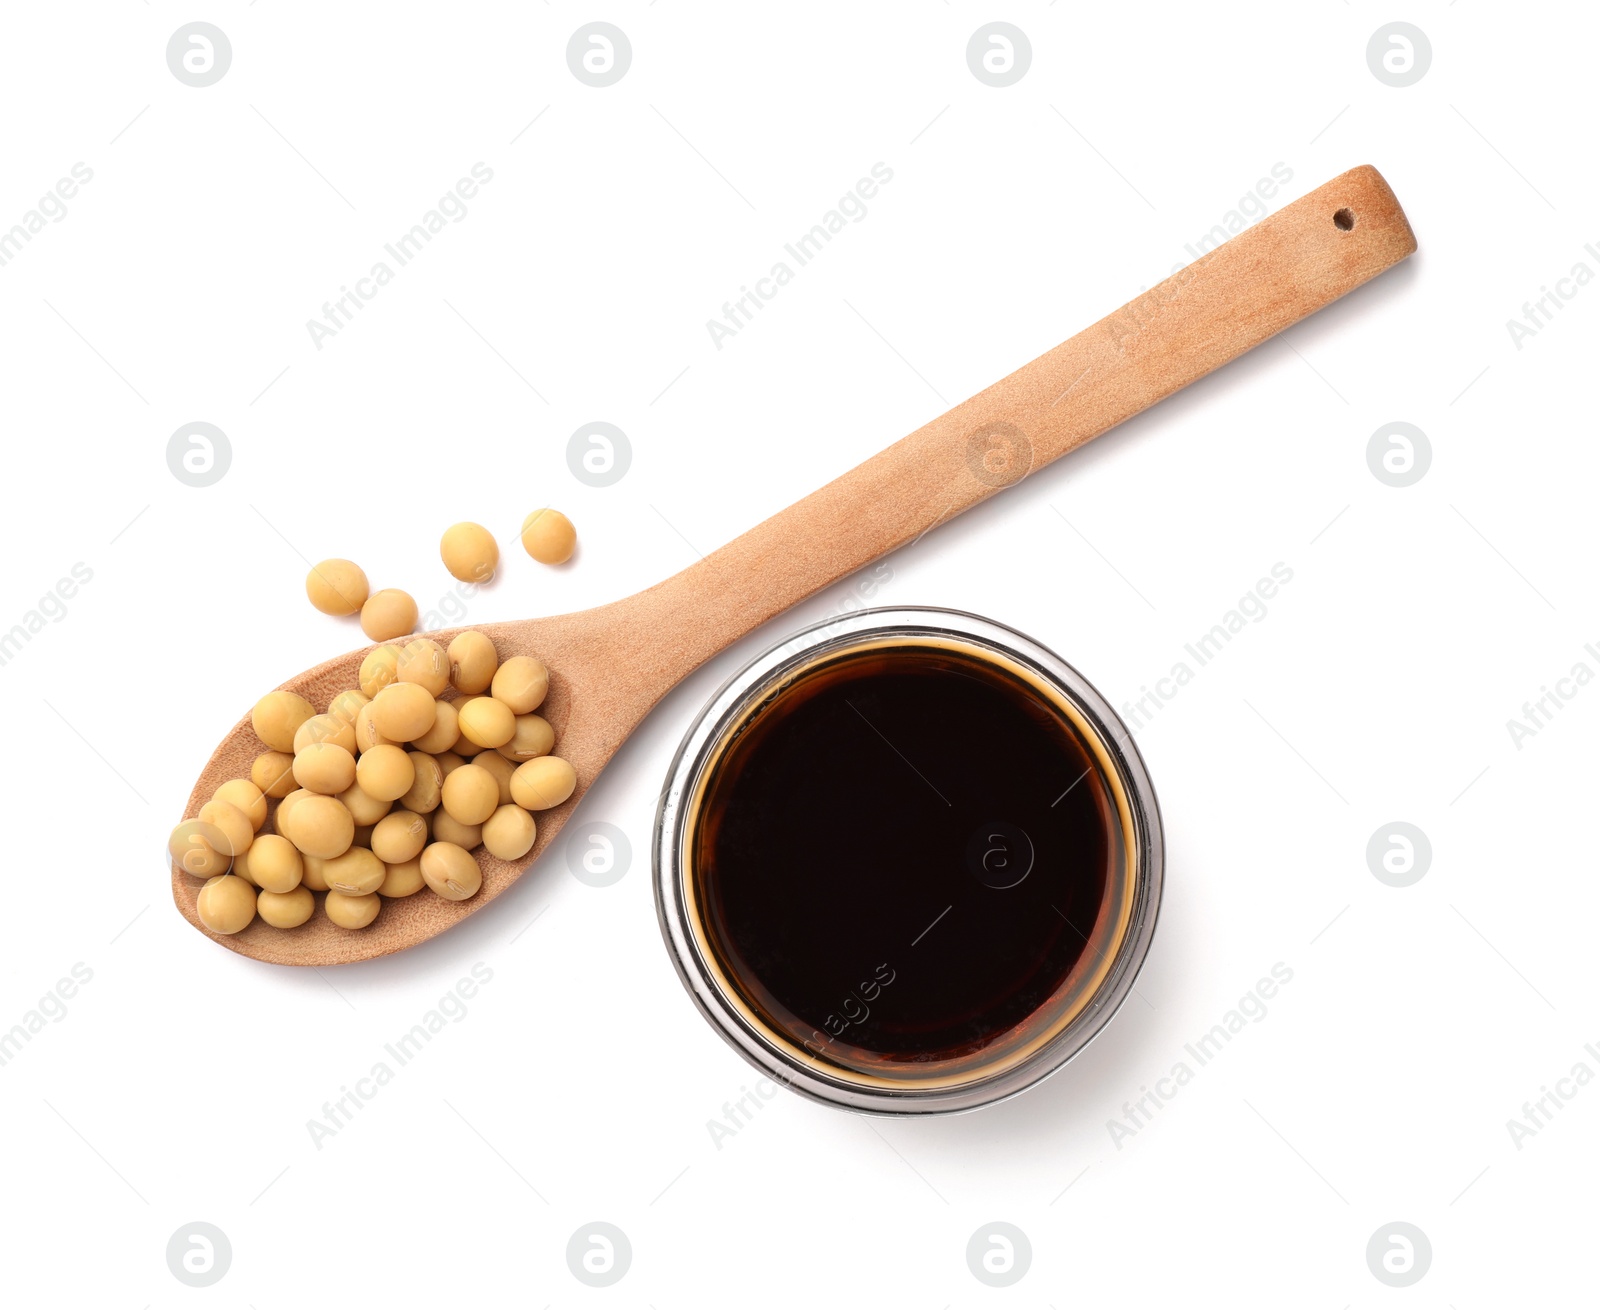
[1289, 265]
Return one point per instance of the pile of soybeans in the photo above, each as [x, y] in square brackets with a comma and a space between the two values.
[387, 791]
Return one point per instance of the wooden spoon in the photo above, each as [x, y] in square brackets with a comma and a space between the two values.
[610, 665]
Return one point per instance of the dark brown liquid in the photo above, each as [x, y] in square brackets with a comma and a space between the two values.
[858, 850]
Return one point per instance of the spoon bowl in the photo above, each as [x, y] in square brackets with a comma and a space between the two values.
[592, 704]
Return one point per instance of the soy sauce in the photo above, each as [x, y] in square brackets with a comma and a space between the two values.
[903, 857]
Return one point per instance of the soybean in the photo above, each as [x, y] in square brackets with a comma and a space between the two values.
[324, 768]
[543, 783]
[325, 728]
[388, 614]
[444, 734]
[337, 586]
[365, 809]
[226, 905]
[319, 825]
[508, 833]
[247, 796]
[472, 663]
[548, 535]
[347, 704]
[521, 684]
[351, 911]
[423, 798]
[273, 772]
[197, 849]
[402, 711]
[399, 837]
[232, 822]
[311, 875]
[423, 662]
[358, 872]
[241, 866]
[386, 773]
[496, 763]
[469, 551]
[447, 829]
[470, 794]
[367, 734]
[404, 879]
[450, 871]
[378, 670]
[277, 716]
[286, 807]
[532, 737]
[486, 722]
[274, 864]
[285, 909]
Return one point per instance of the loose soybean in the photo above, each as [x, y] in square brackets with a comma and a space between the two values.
[469, 551]
[548, 535]
[336, 586]
[388, 614]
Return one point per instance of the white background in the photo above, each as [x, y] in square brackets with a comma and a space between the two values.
[579, 1084]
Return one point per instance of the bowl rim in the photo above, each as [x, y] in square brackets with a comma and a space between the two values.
[765, 673]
